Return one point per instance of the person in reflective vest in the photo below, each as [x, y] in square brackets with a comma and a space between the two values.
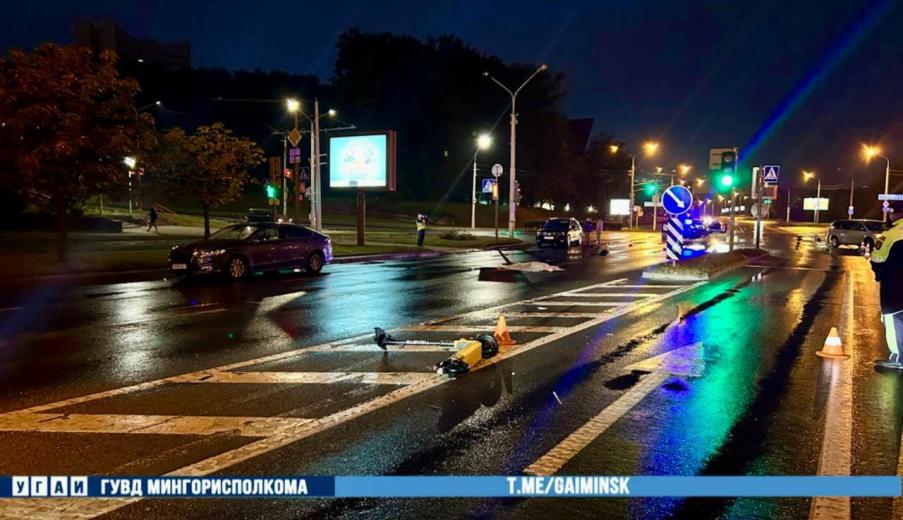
[421, 229]
[887, 263]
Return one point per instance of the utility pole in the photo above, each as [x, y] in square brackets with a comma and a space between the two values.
[760, 175]
[313, 185]
[632, 191]
[319, 193]
[733, 203]
[817, 199]
[473, 195]
[788, 205]
[852, 186]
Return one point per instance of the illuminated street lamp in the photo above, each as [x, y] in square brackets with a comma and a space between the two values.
[130, 162]
[484, 141]
[812, 175]
[650, 148]
[873, 151]
[512, 207]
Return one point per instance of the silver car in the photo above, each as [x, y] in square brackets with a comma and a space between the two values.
[854, 232]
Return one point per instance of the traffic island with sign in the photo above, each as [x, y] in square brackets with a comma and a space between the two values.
[702, 268]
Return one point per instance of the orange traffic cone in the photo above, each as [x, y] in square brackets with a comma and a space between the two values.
[501, 333]
[833, 348]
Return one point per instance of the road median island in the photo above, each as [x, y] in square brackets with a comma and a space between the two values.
[703, 267]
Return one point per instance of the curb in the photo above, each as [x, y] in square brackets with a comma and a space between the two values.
[697, 277]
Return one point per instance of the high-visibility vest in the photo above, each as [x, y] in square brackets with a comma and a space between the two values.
[421, 225]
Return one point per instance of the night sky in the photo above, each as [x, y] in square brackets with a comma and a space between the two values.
[800, 84]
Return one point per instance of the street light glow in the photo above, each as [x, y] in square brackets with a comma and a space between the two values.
[484, 141]
[650, 147]
[613, 148]
[808, 175]
[332, 112]
[130, 162]
[870, 151]
[293, 105]
[684, 169]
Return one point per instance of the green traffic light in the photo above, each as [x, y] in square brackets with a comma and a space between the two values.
[650, 189]
[727, 180]
[271, 192]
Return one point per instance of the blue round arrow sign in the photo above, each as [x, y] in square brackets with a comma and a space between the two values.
[677, 200]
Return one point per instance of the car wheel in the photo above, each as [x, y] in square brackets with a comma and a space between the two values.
[237, 268]
[315, 262]
[834, 241]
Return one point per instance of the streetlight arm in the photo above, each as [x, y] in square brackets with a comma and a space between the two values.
[524, 84]
[499, 83]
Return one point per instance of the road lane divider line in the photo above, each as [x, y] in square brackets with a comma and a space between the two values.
[557, 457]
[80, 508]
[370, 347]
[478, 328]
[302, 378]
[837, 443]
[650, 286]
[148, 424]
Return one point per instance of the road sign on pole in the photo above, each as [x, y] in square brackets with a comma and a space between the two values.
[674, 238]
[294, 137]
[487, 185]
[294, 155]
[890, 196]
[771, 173]
[850, 211]
[497, 170]
[677, 200]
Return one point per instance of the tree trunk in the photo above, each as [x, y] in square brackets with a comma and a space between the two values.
[62, 229]
[206, 221]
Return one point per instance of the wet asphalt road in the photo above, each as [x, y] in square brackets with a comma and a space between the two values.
[759, 406]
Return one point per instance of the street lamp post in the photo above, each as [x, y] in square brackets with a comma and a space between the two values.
[512, 184]
[484, 141]
[873, 151]
[130, 162]
[810, 175]
[650, 147]
[293, 106]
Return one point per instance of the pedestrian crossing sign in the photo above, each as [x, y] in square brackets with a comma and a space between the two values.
[771, 173]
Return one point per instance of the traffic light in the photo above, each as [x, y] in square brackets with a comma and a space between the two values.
[650, 188]
[725, 174]
[272, 191]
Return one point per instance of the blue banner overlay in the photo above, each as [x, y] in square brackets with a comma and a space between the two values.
[451, 486]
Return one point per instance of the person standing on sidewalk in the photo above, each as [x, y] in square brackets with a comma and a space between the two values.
[152, 219]
[421, 229]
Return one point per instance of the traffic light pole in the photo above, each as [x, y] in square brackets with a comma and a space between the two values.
[731, 223]
[759, 187]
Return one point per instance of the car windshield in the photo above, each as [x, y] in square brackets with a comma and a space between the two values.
[874, 226]
[234, 233]
[556, 225]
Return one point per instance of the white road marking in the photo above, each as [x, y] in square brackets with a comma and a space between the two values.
[478, 328]
[583, 294]
[649, 286]
[81, 508]
[686, 361]
[372, 347]
[7, 309]
[837, 444]
[545, 303]
[302, 378]
[586, 315]
[558, 456]
[149, 424]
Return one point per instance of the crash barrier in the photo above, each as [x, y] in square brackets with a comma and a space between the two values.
[468, 353]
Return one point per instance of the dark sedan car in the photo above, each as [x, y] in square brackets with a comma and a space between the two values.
[239, 250]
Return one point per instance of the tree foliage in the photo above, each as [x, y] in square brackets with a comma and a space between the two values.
[212, 165]
[67, 120]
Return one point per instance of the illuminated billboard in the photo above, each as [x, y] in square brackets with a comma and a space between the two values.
[618, 207]
[363, 161]
[809, 204]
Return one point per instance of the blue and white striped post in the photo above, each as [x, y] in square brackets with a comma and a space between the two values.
[674, 238]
